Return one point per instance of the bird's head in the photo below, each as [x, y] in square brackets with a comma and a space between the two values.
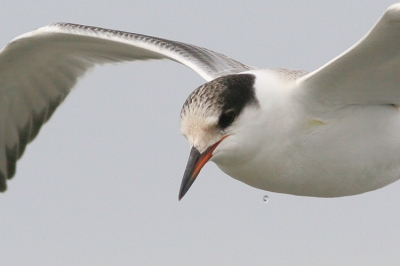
[210, 119]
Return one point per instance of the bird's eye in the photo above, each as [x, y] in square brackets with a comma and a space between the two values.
[226, 119]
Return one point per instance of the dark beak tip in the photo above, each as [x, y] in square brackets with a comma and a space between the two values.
[184, 188]
[190, 172]
[180, 196]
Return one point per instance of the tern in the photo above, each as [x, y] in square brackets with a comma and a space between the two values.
[328, 133]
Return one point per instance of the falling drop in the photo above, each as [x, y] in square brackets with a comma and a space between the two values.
[266, 199]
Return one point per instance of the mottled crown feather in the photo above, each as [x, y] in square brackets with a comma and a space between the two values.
[214, 97]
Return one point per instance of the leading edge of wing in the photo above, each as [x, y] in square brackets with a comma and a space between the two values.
[366, 73]
[208, 64]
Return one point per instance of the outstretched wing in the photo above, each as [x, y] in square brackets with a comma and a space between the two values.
[39, 68]
[367, 73]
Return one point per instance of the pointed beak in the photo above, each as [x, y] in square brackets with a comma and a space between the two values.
[196, 161]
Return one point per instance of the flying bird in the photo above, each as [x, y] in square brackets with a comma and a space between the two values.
[328, 133]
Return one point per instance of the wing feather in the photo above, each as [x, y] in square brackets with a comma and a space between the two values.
[367, 73]
[39, 68]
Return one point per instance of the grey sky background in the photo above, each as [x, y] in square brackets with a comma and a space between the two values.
[99, 185]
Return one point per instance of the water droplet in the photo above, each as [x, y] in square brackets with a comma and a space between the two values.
[266, 199]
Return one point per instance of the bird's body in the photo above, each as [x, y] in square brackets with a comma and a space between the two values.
[328, 133]
[310, 149]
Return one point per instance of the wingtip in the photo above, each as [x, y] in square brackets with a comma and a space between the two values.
[392, 14]
[3, 182]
